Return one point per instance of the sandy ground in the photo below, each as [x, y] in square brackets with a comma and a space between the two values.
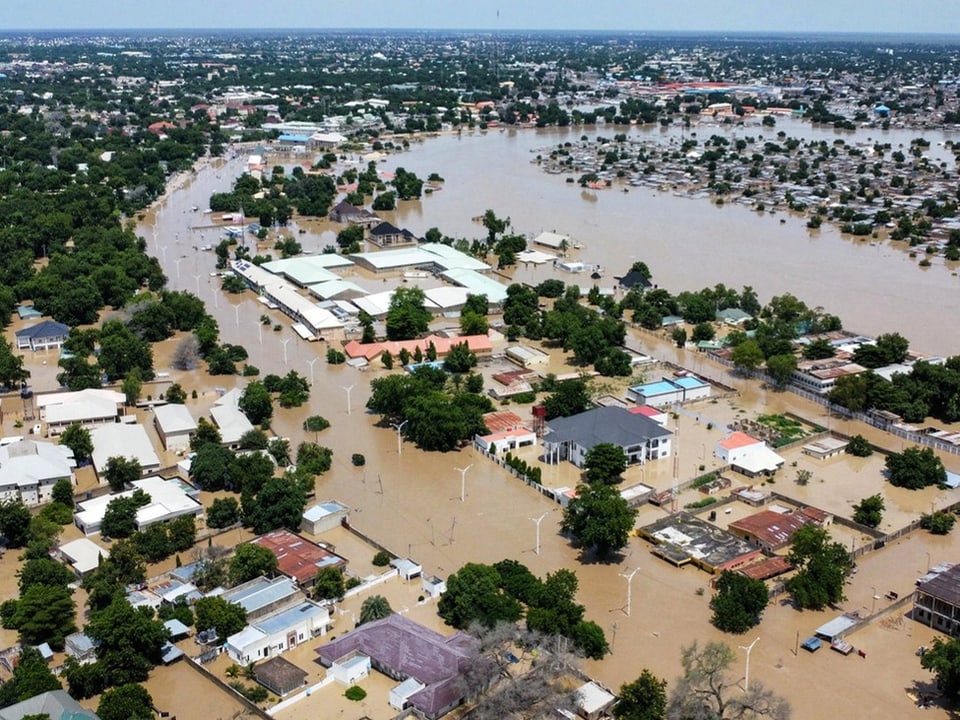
[410, 501]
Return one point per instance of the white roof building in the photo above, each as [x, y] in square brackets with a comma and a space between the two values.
[551, 240]
[30, 468]
[123, 440]
[175, 425]
[90, 408]
[230, 420]
[169, 499]
[83, 555]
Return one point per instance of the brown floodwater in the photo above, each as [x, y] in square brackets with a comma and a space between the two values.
[410, 500]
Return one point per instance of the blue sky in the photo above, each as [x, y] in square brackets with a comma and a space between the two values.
[924, 16]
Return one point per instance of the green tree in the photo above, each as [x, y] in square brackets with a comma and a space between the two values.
[938, 523]
[747, 356]
[605, 463]
[589, 640]
[313, 458]
[707, 690]
[460, 359]
[176, 395]
[942, 658]
[256, 403]
[77, 438]
[915, 468]
[62, 492]
[822, 567]
[643, 699]
[45, 613]
[474, 595]
[120, 472]
[569, 397]
[599, 518]
[15, 522]
[280, 503]
[407, 318]
[375, 607]
[859, 446]
[738, 602]
[126, 702]
[223, 512]
[131, 387]
[211, 467]
[129, 641]
[316, 423]
[869, 511]
[819, 349]
[679, 336]
[329, 584]
[120, 517]
[206, 434]
[31, 677]
[702, 332]
[44, 571]
[250, 561]
[780, 368]
[224, 617]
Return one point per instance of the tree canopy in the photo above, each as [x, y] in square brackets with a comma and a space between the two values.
[738, 602]
[822, 566]
[915, 468]
[599, 519]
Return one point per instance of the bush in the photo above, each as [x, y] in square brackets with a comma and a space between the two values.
[381, 559]
[939, 523]
[859, 446]
[352, 582]
[358, 459]
[355, 693]
[706, 502]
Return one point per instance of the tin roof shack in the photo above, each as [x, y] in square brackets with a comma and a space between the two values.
[401, 649]
[685, 538]
[936, 601]
[773, 529]
[297, 557]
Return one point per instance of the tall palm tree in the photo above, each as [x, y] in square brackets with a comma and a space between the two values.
[375, 607]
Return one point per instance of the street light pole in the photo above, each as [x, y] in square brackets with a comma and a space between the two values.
[196, 279]
[538, 520]
[463, 479]
[399, 429]
[236, 314]
[177, 261]
[630, 588]
[285, 341]
[348, 388]
[746, 677]
[310, 363]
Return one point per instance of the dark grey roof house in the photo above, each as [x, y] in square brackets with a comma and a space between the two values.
[48, 334]
[571, 438]
[388, 235]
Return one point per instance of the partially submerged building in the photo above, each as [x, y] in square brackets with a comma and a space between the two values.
[571, 438]
[683, 538]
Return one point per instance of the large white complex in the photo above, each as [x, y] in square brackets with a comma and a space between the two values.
[30, 468]
[90, 408]
[169, 499]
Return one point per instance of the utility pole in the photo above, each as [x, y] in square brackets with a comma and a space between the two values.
[399, 429]
[746, 678]
[538, 520]
[463, 479]
[348, 389]
[629, 588]
[310, 363]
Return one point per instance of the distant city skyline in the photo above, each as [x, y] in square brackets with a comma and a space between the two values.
[809, 16]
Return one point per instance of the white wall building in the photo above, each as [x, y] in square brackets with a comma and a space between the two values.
[169, 499]
[175, 425]
[89, 408]
[30, 468]
[123, 440]
[279, 632]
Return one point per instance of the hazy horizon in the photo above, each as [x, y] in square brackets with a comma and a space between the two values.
[924, 17]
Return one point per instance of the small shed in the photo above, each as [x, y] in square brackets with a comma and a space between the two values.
[177, 629]
[401, 693]
[407, 568]
[836, 628]
[433, 586]
[322, 517]
[351, 669]
[280, 676]
[174, 425]
[593, 700]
